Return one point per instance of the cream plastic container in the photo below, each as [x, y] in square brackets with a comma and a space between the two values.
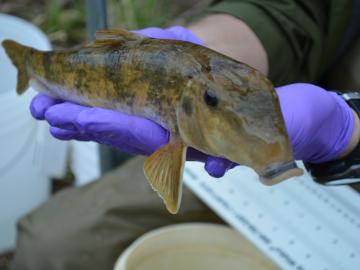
[193, 246]
[29, 156]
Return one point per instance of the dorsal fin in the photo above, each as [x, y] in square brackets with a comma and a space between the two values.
[113, 37]
[116, 34]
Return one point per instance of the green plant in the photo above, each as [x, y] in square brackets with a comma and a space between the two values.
[63, 19]
[136, 14]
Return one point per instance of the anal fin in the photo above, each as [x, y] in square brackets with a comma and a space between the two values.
[164, 169]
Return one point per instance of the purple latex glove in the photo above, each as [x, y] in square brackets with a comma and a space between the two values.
[175, 32]
[319, 123]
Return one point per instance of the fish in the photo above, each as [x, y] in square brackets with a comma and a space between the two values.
[206, 100]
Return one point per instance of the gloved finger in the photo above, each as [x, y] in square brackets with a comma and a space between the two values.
[181, 33]
[155, 32]
[66, 135]
[217, 167]
[195, 155]
[108, 138]
[135, 131]
[40, 104]
[64, 115]
[316, 135]
[130, 149]
[174, 32]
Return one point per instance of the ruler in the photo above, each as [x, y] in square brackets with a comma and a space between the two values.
[297, 223]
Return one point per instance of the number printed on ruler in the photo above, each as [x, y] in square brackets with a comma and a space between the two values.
[298, 223]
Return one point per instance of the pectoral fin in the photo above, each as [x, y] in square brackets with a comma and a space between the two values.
[164, 169]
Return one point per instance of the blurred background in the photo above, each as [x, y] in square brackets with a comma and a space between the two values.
[64, 21]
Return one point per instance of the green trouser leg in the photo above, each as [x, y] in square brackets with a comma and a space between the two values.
[88, 227]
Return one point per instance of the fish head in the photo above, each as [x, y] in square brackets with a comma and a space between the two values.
[232, 111]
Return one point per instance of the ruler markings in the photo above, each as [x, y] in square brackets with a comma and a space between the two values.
[291, 204]
[282, 216]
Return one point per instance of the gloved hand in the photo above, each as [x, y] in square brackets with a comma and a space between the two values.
[316, 135]
[175, 32]
[319, 122]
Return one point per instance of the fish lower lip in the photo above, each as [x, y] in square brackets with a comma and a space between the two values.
[276, 173]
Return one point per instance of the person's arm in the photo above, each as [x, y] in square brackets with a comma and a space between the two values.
[232, 37]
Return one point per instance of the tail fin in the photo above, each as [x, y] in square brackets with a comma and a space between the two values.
[16, 52]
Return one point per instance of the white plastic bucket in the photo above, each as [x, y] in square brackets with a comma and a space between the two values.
[28, 154]
[193, 246]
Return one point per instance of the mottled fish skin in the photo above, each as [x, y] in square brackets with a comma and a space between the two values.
[142, 77]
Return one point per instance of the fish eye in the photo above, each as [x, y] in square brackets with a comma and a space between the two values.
[210, 98]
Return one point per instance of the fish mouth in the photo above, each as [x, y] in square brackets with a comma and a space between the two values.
[279, 172]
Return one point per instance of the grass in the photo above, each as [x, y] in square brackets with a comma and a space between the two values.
[5, 260]
[64, 21]
[137, 14]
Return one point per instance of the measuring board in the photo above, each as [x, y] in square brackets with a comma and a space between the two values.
[299, 224]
